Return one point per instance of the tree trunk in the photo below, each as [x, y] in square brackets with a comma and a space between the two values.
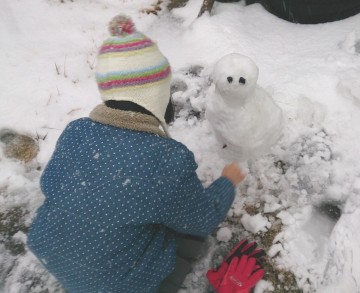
[206, 6]
[176, 4]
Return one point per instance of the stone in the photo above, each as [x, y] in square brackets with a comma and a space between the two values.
[18, 146]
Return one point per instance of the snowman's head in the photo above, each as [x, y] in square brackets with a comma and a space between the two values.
[235, 77]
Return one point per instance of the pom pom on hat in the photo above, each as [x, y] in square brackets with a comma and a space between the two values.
[121, 26]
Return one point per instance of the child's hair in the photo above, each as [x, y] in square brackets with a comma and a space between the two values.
[130, 106]
[170, 112]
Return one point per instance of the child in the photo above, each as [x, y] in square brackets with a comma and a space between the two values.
[119, 192]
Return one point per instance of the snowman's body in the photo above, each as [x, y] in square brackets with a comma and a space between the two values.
[244, 117]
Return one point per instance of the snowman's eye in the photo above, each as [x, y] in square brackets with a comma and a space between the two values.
[229, 79]
[242, 80]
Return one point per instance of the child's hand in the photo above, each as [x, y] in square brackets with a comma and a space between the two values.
[233, 173]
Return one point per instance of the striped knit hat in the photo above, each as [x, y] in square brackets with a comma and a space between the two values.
[131, 68]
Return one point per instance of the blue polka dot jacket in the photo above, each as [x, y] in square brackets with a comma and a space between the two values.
[115, 199]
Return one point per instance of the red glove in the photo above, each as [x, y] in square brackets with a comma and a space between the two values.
[248, 249]
[215, 276]
[241, 276]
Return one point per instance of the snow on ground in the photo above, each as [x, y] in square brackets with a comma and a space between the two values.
[312, 71]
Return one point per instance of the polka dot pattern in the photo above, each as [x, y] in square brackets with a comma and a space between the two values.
[114, 198]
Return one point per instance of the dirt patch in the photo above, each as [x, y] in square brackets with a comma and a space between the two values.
[11, 222]
[282, 280]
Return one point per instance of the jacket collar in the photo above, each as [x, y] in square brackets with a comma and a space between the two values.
[127, 119]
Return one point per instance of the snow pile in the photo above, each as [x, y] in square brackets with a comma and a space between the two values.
[255, 223]
[224, 234]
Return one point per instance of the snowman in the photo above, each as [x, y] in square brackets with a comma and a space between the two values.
[245, 119]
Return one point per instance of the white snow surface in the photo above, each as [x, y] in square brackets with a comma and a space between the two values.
[47, 64]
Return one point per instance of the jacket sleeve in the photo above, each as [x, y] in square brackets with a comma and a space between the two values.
[192, 209]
